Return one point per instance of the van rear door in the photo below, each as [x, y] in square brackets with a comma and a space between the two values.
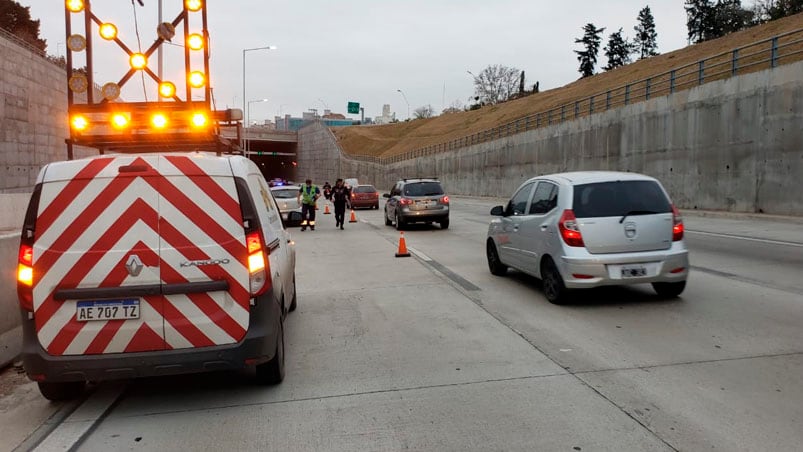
[96, 257]
[203, 253]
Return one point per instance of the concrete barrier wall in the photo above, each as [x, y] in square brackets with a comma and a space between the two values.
[33, 116]
[732, 145]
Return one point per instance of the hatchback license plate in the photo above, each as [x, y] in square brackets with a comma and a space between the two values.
[634, 271]
[119, 309]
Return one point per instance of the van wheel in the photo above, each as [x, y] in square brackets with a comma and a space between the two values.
[494, 263]
[669, 289]
[272, 372]
[294, 301]
[387, 220]
[66, 390]
[554, 289]
[399, 224]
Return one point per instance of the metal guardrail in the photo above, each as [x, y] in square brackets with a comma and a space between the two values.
[11, 37]
[765, 54]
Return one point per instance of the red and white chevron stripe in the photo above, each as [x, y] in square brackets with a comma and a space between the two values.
[92, 218]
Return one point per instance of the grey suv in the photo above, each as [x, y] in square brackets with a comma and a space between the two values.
[417, 201]
[590, 229]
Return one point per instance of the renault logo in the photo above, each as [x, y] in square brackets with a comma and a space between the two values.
[630, 229]
[134, 265]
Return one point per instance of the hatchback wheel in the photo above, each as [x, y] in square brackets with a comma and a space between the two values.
[554, 289]
[387, 220]
[63, 390]
[494, 264]
[669, 289]
[272, 372]
[399, 224]
[445, 224]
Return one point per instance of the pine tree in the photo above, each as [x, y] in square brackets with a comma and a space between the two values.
[730, 17]
[646, 40]
[618, 50]
[591, 40]
[700, 20]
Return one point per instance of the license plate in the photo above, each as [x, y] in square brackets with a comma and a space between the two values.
[120, 309]
[634, 271]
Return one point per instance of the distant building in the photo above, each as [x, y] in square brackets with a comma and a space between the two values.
[329, 119]
[387, 117]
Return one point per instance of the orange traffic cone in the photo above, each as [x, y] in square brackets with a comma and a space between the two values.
[326, 210]
[402, 247]
[353, 217]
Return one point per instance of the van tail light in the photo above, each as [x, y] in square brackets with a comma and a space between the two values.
[405, 201]
[25, 277]
[677, 225]
[259, 275]
[569, 229]
[25, 274]
[445, 200]
[258, 265]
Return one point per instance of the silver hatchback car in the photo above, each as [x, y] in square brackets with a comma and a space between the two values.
[589, 229]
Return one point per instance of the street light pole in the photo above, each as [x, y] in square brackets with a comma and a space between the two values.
[243, 144]
[405, 100]
[248, 130]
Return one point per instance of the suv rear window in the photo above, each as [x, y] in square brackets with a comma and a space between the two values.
[422, 189]
[364, 189]
[615, 199]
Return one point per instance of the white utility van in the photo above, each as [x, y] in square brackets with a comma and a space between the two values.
[152, 264]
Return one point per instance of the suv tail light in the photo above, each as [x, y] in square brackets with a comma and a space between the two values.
[25, 262]
[405, 201]
[569, 229]
[445, 199]
[677, 225]
[258, 266]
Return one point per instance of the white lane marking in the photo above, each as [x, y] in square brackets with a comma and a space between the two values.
[420, 254]
[751, 239]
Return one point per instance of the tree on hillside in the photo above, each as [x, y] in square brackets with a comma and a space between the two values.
[591, 40]
[17, 20]
[699, 20]
[455, 107]
[730, 16]
[521, 83]
[496, 83]
[645, 42]
[424, 112]
[767, 10]
[618, 50]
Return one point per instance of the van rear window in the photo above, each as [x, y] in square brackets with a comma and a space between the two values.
[619, 198]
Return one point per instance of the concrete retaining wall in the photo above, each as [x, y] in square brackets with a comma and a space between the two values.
[732, 145]
[33, 116]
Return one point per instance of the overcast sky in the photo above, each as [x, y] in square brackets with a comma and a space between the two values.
[332, 52]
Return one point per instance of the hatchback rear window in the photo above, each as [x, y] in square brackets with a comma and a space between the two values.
[423, 189]
[285, 193]
[612, 199]
[364, 189]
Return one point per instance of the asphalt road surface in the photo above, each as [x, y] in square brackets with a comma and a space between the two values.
[435, 353]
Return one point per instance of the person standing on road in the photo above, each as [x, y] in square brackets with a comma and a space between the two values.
[341, 196]
[308, 194]
[327, 191]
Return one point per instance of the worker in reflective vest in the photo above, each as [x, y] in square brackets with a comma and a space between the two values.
[308, 194]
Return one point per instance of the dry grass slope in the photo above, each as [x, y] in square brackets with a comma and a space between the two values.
[395, 139]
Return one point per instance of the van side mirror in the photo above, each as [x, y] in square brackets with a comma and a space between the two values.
[498, 211]
[386, 195]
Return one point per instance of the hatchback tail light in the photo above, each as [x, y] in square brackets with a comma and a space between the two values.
[677, 225]
[445, 199]
[569, 229]
[258, 265]
[405, 201]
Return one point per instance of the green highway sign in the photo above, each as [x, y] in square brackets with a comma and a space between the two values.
[354, 107]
